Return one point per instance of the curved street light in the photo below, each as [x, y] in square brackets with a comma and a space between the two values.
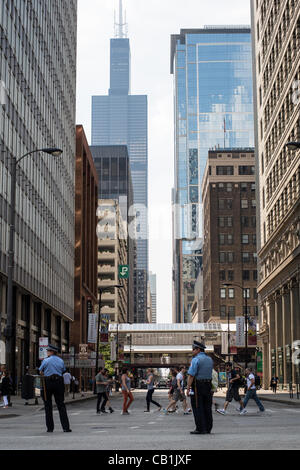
[10, 329]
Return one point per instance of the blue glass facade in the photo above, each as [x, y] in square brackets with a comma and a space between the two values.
[212, 71]
[122, 119]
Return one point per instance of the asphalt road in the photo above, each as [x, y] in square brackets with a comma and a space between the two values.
[278, 428]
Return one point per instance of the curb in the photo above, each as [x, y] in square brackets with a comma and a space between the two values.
[281, 401]
[71, 402]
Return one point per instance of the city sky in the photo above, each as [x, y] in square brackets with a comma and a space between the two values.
[151, 23]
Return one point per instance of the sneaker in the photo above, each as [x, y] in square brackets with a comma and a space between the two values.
[261, 411]
[189, 410]
[222, 412]
[146, 411]
[104, 412]
[185, 412]
[239, 409]
[243, 412]
[111, 410]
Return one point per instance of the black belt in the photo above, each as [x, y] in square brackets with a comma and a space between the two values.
[53, 377]
[204, 380]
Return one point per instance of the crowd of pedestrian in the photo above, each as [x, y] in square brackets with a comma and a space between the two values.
[196, 385]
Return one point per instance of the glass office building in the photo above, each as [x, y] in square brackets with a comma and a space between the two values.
[212, 70]
[122, 119]
[38, 75]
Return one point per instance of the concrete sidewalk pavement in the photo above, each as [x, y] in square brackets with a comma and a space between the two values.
[281, 397]
[19, 408]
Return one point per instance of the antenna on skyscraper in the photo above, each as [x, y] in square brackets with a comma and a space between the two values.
[121, 28]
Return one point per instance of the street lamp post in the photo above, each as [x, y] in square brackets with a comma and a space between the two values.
[244, 293]
[101, 290]
[10, 330]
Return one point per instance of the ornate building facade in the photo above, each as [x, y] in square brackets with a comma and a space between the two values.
[276, 38]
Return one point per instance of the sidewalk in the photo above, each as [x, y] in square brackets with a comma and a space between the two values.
[282, 397]
[19, 408]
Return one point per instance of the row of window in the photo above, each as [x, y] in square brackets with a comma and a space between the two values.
[227, 203]
[245, 221]
[229, 170]
[229, 293]
[229, 186]
[230, 257]
[228, 239]
[230, 311]
[246, 275]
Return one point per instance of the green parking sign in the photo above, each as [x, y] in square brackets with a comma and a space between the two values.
[123, 271]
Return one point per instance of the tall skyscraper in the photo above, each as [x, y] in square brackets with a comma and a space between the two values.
[38, 70]
[122, 119]
[212, 70]
[276, 58]
[152, 280]
[115, 183]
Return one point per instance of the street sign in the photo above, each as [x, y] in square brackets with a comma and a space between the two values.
[43, 345]
[123, 271]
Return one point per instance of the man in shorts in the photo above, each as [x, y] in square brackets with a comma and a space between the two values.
[234, 383]
[179, 393]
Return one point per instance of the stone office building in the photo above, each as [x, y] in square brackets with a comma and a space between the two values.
[276, 58]
[229, 247]
[38, 72]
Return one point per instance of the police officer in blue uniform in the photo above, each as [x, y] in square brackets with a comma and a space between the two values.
[52, 369]
[199, 389]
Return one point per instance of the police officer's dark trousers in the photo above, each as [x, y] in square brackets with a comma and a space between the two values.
[201, 403]
[54, 385]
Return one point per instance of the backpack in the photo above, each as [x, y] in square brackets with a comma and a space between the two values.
[242, 381]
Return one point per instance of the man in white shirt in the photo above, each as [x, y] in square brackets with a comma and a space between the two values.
[67, 381]
[251, 392]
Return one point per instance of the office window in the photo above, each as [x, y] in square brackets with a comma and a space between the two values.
[221, 221]
[222, 311]
[244, 203]
[222, 257]
[244, 186]
[231, 293]
[245, 221]
[230, 257]
[254, 239]
[246, 257]
[254, 293]
[229, 187]
[231, 311]
[246, 293]
[255, 275]
[222, 276]
[223, 293]
[229, 221]
[253, 203]
[222, 239]
[246, 275]
[230, 275]
[230, 239]
[245, 239]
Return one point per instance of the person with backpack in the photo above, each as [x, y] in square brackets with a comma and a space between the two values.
[235, 381]
[274, 383]
[251, 392]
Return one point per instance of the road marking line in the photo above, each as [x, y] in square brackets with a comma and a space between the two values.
[135, 427]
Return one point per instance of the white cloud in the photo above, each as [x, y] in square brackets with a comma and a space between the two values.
[151, 22]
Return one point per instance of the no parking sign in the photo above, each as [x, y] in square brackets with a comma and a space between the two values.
[43, 345]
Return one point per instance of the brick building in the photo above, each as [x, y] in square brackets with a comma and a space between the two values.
[86, 199]
[229, 248]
